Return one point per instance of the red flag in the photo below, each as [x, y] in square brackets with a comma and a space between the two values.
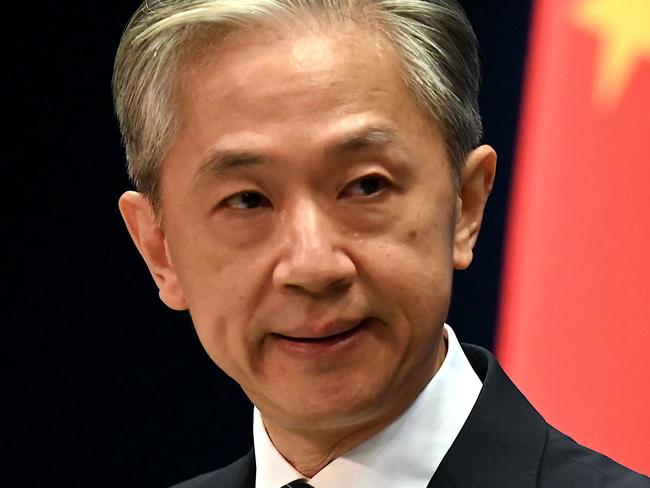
[575, 318]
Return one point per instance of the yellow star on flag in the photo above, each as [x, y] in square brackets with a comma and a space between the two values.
[623, 27]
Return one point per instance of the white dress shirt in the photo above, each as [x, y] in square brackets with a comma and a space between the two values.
[406, 453]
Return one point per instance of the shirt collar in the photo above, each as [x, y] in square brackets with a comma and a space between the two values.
[407, 452]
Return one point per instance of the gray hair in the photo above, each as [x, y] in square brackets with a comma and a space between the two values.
[433, 39]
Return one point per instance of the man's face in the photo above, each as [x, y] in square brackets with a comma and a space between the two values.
[309, 219]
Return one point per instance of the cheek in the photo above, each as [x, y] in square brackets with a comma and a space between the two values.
[422, 246]
[412, 268]
[224, 330]
[221, 291]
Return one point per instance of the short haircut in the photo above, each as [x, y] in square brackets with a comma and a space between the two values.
[432, 38]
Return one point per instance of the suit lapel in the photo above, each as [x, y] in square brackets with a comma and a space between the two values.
[502, 441]
[441, 480]
[240, 474]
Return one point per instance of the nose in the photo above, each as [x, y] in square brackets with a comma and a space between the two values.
[312, 260]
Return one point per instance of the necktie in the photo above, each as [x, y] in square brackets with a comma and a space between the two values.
[297, 484]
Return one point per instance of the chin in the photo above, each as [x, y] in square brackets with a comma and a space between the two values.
[334, 410]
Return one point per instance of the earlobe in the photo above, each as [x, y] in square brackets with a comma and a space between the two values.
[476, 180]
[149, 238]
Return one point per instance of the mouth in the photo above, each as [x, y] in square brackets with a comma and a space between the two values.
[324, 343]
[317, 340]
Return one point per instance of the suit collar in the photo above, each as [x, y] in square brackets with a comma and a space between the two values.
[502, 441]
[240, 474]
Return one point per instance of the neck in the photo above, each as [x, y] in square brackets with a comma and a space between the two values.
[309, 451]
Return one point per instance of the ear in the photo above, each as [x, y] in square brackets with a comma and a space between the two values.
[476, 180]
[149, 238]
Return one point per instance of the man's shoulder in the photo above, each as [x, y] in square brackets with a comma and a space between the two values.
[523, 448]
[567, 463]
[240, 474]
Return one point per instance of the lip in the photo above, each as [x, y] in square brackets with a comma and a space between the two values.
[336, 338]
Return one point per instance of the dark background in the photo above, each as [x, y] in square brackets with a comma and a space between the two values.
[105, 386]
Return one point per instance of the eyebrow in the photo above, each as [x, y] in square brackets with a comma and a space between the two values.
[364, 138]
[220, 161]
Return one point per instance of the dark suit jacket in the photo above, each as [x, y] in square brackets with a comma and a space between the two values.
[504, 443]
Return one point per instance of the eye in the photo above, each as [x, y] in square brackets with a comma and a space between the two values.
[246, 200]
[365, 187]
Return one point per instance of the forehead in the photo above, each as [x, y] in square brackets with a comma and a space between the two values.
[306, 67]
[288, 93]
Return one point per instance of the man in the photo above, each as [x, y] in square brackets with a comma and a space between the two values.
[309, 176]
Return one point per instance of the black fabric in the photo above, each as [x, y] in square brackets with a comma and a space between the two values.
[298, 484]
[504, 443]
[503, 438]
[240, 474]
